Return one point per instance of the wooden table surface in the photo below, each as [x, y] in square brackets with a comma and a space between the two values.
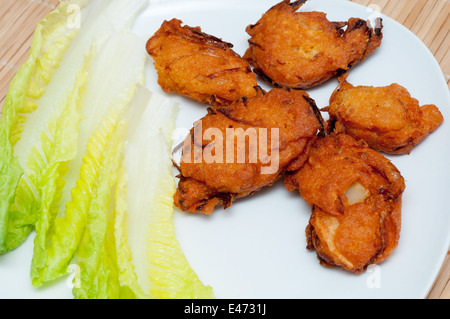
[428, 19]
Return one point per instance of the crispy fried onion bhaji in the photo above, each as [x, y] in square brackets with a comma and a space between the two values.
[356, 195]
[236, 150]
[304, 49]
[199, 66]
[387, 118]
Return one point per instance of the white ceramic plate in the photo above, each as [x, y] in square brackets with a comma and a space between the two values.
[256, 248]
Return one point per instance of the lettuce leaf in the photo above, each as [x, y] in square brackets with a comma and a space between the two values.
[150, 261]
[98, 275]
[67, 191]
[35, 98]
[96, 255]
[51, 39]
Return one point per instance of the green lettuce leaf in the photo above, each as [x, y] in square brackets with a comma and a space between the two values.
[51, 39]
[150, 261]
[58, 147]
[96, 254]
[38, 91]
[67, 191]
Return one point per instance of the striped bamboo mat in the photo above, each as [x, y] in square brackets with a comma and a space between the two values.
[428, 19]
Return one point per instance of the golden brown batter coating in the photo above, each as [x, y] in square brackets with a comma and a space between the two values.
[199, 66]
[286, 118]
[304, 49]
[355, 194]
[387, 118]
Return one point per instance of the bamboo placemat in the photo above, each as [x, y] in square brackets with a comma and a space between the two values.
[428, 19]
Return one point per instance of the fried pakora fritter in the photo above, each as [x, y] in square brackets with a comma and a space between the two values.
[356, 197]
[304, 49]
[387, 118]
[199, 66]
[267, 133]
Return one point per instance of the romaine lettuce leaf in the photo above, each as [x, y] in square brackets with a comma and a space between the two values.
[51, 39]
[98, 274]
[35, 98]
[150, 261]
[67, 191]
[96, 255]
